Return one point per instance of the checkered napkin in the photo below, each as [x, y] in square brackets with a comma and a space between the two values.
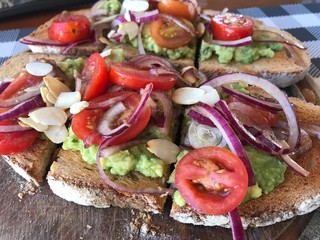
[302, 21]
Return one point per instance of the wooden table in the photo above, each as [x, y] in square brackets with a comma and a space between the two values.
[46, 216]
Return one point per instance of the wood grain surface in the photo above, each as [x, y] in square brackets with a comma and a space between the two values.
[46, 216]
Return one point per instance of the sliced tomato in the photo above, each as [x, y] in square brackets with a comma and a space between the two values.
[180, 9]
[85, 123]
[95, 77]
[231, 26]
[128, 75]
[168, 34]
[212, 180]
[15, 142]
[19, 84]
[69, 28]
[253, 113]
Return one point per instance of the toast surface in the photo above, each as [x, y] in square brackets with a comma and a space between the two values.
[282, 70]
[75, 180]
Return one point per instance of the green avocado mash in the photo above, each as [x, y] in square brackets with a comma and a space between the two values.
[268, 170]
[69, 65]
[112, 7]
[136, 158]
[245, 54]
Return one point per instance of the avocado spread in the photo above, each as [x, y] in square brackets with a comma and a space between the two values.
[268, 170]
[69, 65]
[245, 54]
[136, 158]
[112, 7]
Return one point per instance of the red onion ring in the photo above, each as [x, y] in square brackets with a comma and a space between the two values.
[270, 88]
[150, 61]
[94, 104]
[141, 49]
[22, 108]
[13, 128]
[143, 17]
[19, 99]
[260, 103]
[235, 43]
[295, 166]
[117, 21]
[110, 150]
[180, 23]
[3, 86]
[292, 53]
[228, 134]
[236, 225]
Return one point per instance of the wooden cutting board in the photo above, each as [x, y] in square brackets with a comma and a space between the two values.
[46, 216]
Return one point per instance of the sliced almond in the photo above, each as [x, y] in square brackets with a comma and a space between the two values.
[44, 91]
[136, 5]
[51, 98]
[78, 107]
[66, 99]
[55, 86]
[39, 68]
[23, 121]
[49, 116]
[57, 134]
[164, 149]
[187, 95]
[211, 97]
[130, 28]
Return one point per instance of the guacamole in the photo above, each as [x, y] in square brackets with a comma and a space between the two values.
[268, 170]
[245, 54]
[112, 7]
[136, 158]
[69, 65]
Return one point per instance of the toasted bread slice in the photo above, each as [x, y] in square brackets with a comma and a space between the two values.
[31, 164]
[41, 35]
[297, 195]
[281, 69]
[72, 179]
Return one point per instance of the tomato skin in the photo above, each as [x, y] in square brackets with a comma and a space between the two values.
[169, 35]
[125, 74]
[203, 165]
[262, 117]
[85, 123]
[69, 28]
[95, 77]
[231, 26]
[178, 9]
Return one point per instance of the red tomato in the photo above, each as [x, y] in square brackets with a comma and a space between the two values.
[178, 9]
[95, 77]
[212, 180]
[21, 82]
[69, 28]
[167, 34]
[126, 74]
[254, 114]
[85, 123]
[231, 26]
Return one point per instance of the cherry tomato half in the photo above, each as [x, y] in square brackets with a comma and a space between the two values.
[95, 77]
[212, 180]
[128, 75]
[168, 34]
[69, 28]
[231, 26]
[86, 122]
[178, 9]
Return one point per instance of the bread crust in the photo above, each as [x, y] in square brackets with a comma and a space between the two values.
[77, 181]
[281, 70]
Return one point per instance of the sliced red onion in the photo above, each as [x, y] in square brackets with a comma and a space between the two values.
[234, 43]
[104, 20]
[180, 23]
[13, 128]
[117, 21]
[110, 150]
[150, 61]
[94, 104]
[228, 134]
[109, 117]
[22, 108]
[143, 17]
[199, 118]
[295, 166]
[296, 57]
[270, 36]
[167, 108]
[3, 86]
[311, 129]
[141, 49]
[121, 128]
[19, 99]
[122, 188]
[261, 103]
[236, 225]
[35, 41]
[118, 37]
[78, 83]
[71, 45]
[270, 88]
